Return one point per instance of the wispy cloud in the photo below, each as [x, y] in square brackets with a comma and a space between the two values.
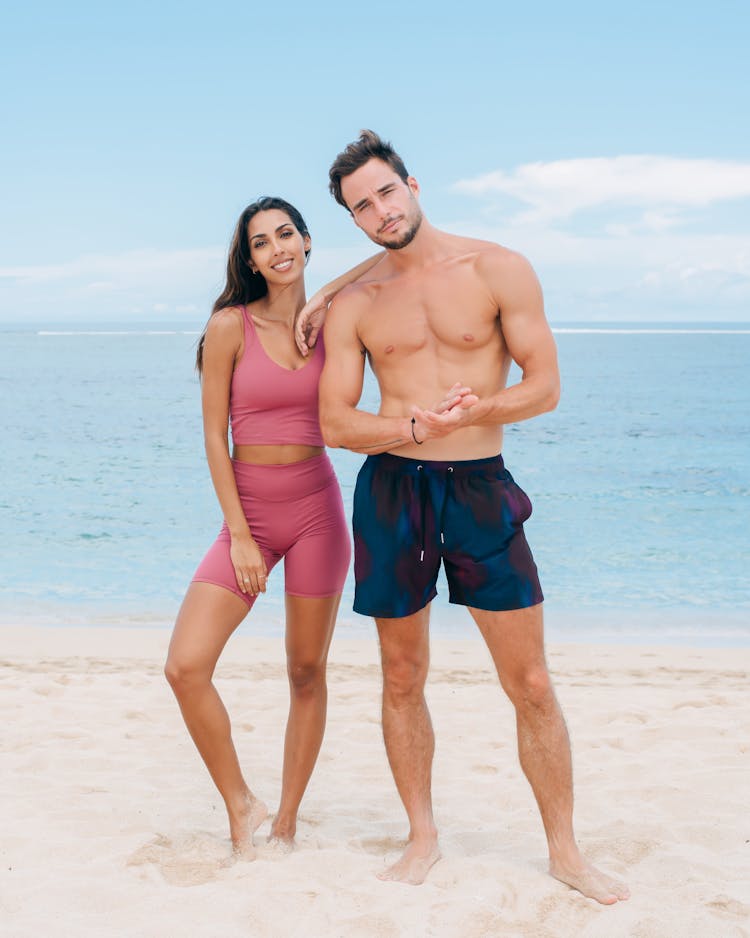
[625, 237]
[103, 269]
[114, 286]
[562, 188]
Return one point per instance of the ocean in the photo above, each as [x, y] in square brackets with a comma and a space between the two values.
[640, 482]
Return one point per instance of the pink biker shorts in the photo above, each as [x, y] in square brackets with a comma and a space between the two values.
[295, 512]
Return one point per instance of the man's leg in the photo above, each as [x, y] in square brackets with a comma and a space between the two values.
[409, 740]
[516, 642]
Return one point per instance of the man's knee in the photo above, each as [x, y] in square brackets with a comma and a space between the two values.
[403, 677]
[530, 686]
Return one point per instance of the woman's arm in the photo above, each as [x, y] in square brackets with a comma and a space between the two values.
[222, 343]
[313, 313]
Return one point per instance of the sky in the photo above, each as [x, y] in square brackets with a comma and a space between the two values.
[609, 143]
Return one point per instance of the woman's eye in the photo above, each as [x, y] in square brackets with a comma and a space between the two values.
[258, 244]
[286, 234]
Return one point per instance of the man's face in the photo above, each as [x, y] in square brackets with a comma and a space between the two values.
[382, 204]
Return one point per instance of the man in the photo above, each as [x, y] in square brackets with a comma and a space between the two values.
[440, 318]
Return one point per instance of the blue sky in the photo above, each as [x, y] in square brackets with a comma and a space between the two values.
[609, 143]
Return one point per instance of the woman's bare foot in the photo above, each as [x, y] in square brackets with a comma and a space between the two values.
[244, 823]
[415, 863]
[282, 834]
[591, 882]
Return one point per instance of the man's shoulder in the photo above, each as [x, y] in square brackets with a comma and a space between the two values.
[488, 252]
[350, 303]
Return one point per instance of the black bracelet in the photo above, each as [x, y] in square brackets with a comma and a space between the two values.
[413, 436]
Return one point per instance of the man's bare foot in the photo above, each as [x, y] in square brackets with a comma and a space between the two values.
[415, 863]
[591, 882]
[243, 825]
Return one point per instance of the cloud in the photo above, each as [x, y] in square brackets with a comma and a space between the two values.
[563, 188]
[103, 269]
[625, 237]
[167, 284]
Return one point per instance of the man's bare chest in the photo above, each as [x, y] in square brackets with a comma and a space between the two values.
[431, 315]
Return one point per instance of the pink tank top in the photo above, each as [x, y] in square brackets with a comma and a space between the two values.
[272, 404]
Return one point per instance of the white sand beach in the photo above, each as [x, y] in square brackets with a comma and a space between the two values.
[111, 826]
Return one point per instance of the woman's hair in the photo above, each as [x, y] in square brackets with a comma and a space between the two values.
[243, 286]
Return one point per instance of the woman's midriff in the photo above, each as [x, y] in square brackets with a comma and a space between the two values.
[275, 454]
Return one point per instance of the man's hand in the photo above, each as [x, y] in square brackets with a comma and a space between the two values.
[310, 322]
[451, 398]
[447, 415]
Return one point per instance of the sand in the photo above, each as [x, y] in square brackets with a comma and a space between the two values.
[109, 824]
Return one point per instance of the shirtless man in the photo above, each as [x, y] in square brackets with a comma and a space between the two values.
[440, 318]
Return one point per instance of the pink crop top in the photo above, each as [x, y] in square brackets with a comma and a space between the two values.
[272, 404]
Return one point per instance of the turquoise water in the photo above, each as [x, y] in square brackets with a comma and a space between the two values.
[640, 481]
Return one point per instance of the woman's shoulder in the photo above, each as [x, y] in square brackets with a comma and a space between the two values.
[225, 322]
[225, 330]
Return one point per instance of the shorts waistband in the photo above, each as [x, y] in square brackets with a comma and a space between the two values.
[285, 481]
[457, 467]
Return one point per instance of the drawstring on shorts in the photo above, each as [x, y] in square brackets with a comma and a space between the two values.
[423, 495]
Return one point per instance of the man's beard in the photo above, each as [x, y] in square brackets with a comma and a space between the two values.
[401, 240]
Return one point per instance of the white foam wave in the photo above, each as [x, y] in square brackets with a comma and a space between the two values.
[56, 332]
[619, 331]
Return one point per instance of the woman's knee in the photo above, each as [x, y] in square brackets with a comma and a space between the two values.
[306, 677]
[183, 674]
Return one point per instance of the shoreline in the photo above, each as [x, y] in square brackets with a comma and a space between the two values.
[669, 627]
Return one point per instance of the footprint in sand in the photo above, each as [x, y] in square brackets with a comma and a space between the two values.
[186, 860]
[379, 845]
[485, 769]
[730, 908]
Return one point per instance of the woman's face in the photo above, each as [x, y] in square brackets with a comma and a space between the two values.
[277, 249]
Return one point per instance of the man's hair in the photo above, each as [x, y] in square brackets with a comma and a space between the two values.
[369, 146]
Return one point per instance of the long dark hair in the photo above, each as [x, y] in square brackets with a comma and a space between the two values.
[242, 285]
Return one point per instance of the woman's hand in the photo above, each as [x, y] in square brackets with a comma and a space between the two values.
[310, 322]
[249, 565]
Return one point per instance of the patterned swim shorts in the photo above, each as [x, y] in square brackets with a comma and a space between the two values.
[411, 515]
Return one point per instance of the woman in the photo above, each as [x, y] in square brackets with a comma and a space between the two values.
[279, 497]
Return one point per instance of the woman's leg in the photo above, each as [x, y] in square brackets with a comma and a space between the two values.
[208, 616]
[309, 627]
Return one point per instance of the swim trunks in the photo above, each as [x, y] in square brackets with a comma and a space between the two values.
[409, 515]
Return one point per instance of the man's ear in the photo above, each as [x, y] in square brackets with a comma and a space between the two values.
[412, 183]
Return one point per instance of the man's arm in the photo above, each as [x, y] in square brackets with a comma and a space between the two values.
[516, 290]
[342, 423]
